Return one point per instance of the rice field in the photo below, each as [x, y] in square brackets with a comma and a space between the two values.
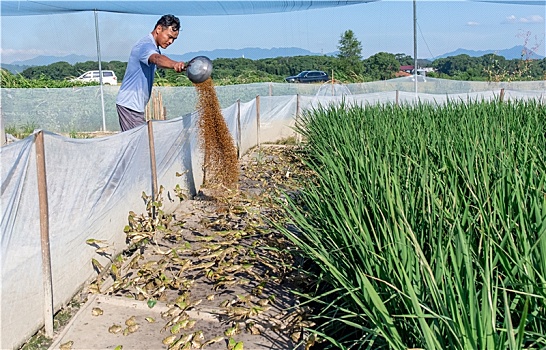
[425, 225]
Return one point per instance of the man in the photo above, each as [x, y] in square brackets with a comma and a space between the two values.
[136, 87]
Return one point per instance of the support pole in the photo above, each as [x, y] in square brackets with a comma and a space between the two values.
[415, 45]
[238, 128]
[152, 163]
[297, 116]
[44, 234]
[3, 139]
[397, 96]
[333, 90]
[100, 71]
[258, 120]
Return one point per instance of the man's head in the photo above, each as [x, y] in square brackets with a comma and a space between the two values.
[166, 30]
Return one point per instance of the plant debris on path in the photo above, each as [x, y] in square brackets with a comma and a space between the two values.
[216, 255]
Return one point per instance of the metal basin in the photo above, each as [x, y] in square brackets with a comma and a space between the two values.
[199, 69]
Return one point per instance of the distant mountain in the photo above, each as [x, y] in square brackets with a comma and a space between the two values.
[509, 54]
[13, 68]
[47, 60]
[253, 53]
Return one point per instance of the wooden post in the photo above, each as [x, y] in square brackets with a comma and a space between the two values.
[258, 120]
[44, 234]
[147, 112]
[297, 106]
[3, 139]
[298, 140]
[162, 110]
[333, 93]
[154, 105]
[501, 95]
[238, 128]
[152, 163]
[397, 94]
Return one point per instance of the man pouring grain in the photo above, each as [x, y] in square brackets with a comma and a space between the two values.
[145, 57]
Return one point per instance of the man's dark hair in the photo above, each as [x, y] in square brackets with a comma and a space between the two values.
[169, 21]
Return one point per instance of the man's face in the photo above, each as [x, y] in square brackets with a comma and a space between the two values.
[165, 36]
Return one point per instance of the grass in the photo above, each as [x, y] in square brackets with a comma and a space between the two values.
[426, 224]
[16, 81]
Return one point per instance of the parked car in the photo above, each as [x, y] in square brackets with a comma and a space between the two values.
[309, 76]
[108, 77]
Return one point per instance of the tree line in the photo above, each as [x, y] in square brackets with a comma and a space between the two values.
[347, 66]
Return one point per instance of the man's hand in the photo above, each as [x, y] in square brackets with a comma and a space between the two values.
[179, 66]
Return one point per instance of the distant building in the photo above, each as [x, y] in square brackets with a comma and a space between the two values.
[400, 74]
[407, 69]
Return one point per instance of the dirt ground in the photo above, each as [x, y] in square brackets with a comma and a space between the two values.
[215, 274]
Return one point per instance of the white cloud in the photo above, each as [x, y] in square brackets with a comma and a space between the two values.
[472, 24]
[528, 19]
[534, 19]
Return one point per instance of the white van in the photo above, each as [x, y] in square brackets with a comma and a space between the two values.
[108, 77]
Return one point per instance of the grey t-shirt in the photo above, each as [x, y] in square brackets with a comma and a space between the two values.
[137, 83]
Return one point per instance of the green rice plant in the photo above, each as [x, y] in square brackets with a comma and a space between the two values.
[21, 131]
[426, 224]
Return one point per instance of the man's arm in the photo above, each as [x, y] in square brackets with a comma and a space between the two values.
[163, 61]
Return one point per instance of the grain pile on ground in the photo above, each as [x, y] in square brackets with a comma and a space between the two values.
[214, 275]
[220, 163]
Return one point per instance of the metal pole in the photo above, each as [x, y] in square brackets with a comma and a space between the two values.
[298, 135]
[44, 234]
[258, 120]
[415, 45]
[100, 71]
[239, 128]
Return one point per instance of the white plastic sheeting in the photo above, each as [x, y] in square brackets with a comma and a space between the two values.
[92, 185]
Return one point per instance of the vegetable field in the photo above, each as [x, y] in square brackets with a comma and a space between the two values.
[426, 224]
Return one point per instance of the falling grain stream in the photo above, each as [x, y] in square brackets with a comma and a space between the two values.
[220, 155]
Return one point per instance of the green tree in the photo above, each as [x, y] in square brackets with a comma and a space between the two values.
[404, 60]
[381, 66]
[350, 54]
[460, 67]
[54, 71]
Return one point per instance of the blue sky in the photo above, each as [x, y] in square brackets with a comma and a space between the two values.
[382, 26]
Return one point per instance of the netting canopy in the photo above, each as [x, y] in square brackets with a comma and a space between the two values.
[189, 7]
[180, 7]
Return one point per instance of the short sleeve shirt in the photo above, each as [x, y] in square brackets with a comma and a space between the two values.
[138, 80]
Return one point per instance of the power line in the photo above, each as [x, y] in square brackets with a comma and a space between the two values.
[426, 44]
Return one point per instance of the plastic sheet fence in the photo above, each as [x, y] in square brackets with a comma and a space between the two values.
[92, 184]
